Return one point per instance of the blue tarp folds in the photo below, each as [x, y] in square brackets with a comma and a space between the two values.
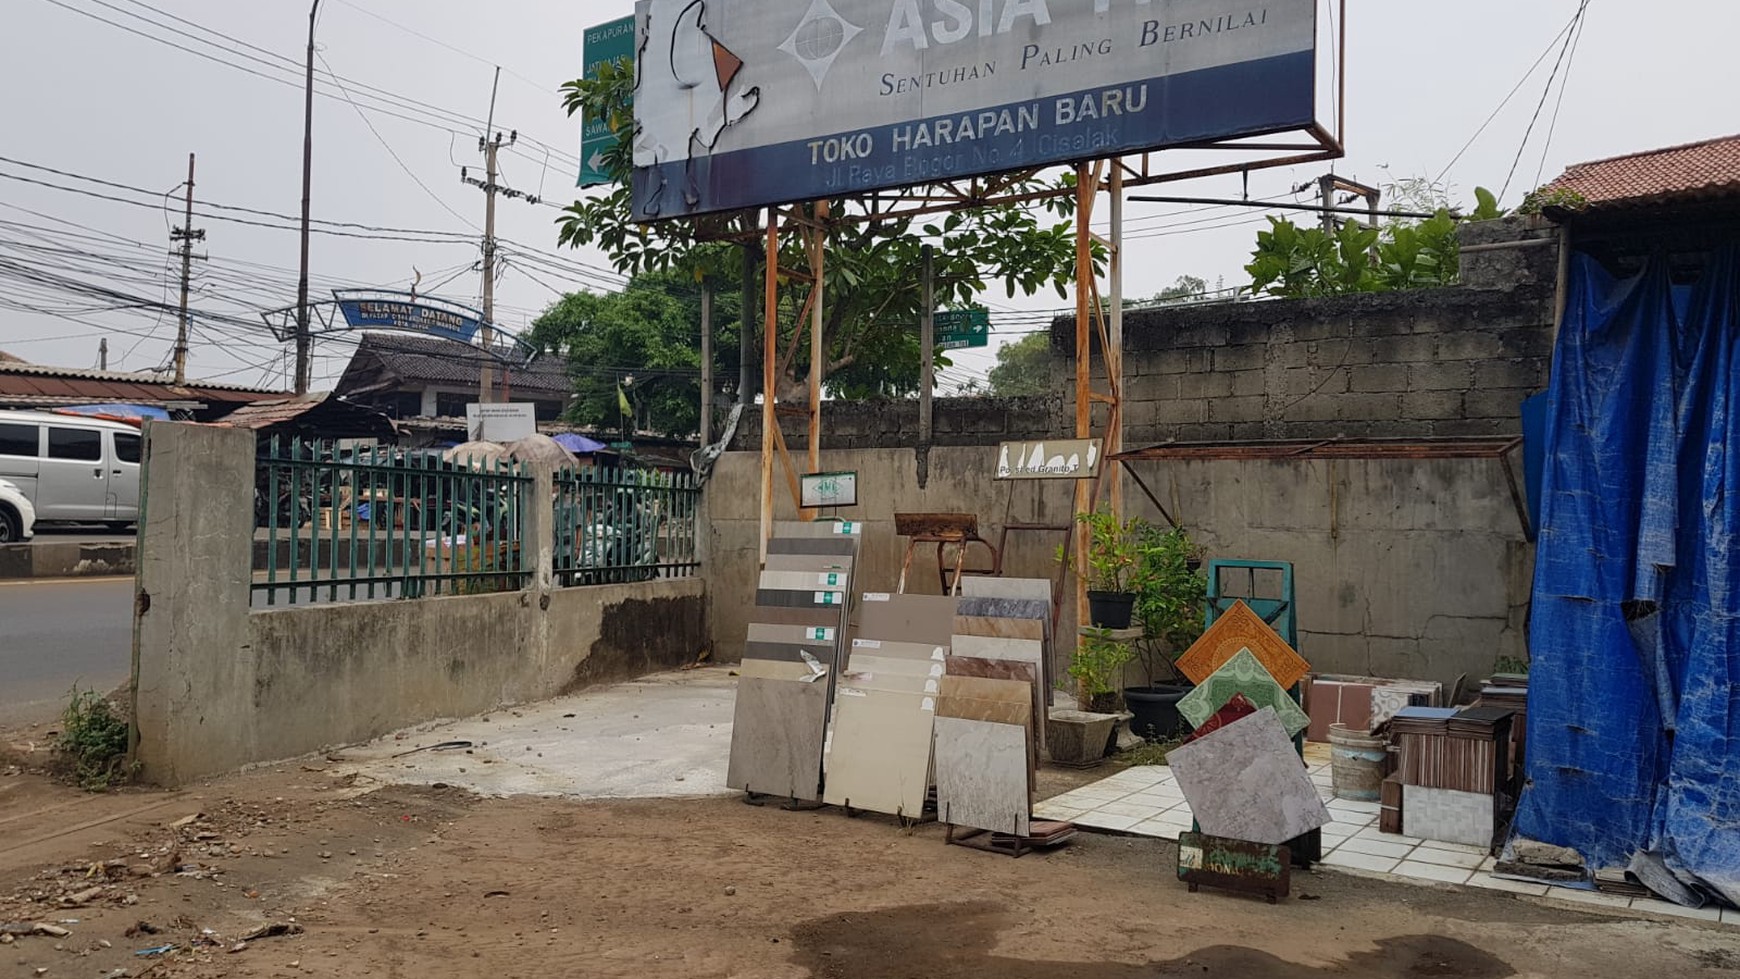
[1634, 697]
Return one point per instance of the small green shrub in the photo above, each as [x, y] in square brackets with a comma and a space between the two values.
[93, 740]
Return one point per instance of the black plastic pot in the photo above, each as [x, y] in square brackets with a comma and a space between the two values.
[1110, 609]
[1156, 710]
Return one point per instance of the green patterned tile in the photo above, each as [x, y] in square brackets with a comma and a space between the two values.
[1245, 674]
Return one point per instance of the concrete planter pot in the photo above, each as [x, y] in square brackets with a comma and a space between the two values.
[1078, 738]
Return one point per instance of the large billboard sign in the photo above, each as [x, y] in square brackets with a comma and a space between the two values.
[369, 309]
[746, 103]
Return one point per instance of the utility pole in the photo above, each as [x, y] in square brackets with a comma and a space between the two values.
[103, 354]
[490, 145]
[304, 369]
[187, 235]
[706, 365]
[926, 344]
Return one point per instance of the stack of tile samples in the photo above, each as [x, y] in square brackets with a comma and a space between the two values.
[879, 758]
[786, 679]
[984, 750]
[1004, 632]
[1455, 772]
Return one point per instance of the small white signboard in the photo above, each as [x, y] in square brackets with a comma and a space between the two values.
[829, 490]
[1049, 459]
[500, 422]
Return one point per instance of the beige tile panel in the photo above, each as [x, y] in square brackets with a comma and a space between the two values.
[880, 757]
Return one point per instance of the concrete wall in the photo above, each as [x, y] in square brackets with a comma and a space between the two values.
[218, 686]
[1405, 568]
[65, 559]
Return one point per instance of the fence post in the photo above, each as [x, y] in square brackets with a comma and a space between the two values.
[538, 529]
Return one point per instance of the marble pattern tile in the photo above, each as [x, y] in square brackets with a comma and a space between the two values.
[981, 774]
[901, 650]
[985, 699]
[985, 586]
[1002, 628]
[1245, 782]
[984, 647]
[1005, 608]
[776, 737]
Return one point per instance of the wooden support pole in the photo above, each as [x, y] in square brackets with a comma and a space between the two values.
[1114, 352]
[1084, 279]
[927, 346]
[818, 355]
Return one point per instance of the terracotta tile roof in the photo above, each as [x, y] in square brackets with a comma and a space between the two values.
[1676, 174]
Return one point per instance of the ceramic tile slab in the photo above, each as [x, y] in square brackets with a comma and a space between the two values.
[1447, 814]
[1003, 669]
[982, 699]
[804, 580]
[985, 647]
[902, 650]
[880, 758]
[1239, 628]
[824, 529]
[793, 634]
[892, 682]
[1003, 628]
[810, 598]
[789, 652]
[843, 546]
[1006, 608]
[776, 737]
[1246, 782]
[789, 615]
[907, 618]
[1242, 674]
[769, 669]
[807, 562]
[981, 775]
[984, 586]
[864, 661]
[1235, 708]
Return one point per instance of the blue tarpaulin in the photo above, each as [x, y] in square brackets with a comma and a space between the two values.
[1634, 681]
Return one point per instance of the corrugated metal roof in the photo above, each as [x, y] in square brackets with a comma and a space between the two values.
[41, 381]
[420, 360]
[1705, 170]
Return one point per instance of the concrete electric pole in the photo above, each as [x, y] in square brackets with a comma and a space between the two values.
[187, 235]
[491, 145]
[304, 369]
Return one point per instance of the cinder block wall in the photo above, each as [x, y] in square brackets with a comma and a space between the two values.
[218, 686]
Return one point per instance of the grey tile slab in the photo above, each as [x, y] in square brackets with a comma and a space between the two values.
[902, 650]
[789, 652]
[796, 615]
[776, 737]
[1006, 608]
[834, 598]
[880, 756]
[823, 529]
[769, 669]
[805, 580]
[807, 562]
[860, 661]
[1245, 781]
[981, 775]
[844, 546]
[984, 586]
[985, 647]
[907, 618]
[794, 634]
[1447, 814]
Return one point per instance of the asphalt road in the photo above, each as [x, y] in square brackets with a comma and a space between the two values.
[56, 633]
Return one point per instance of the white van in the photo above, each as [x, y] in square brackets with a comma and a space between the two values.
[73, 469]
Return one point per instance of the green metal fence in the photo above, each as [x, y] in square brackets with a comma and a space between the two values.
[383, 522]
[617, 525]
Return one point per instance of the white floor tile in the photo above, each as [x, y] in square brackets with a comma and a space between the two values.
[1128, 808]
[1653, 906]
[1489, 863]
[1353, 805]
[1376, 848]
[1596, 898]
[1432, 871]
[1336, 832]
[1161, 828]
[1091, 797]
[1453, 847]
[1371, 832]
[1102, 820]
[1447, 858]
[1360, 861]
[1047, 811]
[1492, 883]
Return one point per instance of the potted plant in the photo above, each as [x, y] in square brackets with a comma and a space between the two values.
[1113, 551]
[1080, 738]
[1097, 664]
[1171, 598]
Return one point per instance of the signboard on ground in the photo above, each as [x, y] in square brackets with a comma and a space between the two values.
[500, 422]
[605, 43]
[749, 103]
[829, 489]
[1260, 868]
[958, 328]
[1049, 459]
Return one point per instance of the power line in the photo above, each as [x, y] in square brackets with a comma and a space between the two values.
[1553, 126]
[1563, 51]
[1509, 95]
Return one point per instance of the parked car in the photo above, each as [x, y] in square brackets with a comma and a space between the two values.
[72, 469]
[17, 516]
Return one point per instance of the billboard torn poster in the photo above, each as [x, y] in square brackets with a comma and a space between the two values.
[742, 104]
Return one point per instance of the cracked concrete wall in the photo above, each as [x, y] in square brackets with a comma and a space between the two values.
[1402, 567]
[218, 686]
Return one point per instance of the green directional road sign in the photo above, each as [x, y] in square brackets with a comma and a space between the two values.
[958, 328]
[605, 43]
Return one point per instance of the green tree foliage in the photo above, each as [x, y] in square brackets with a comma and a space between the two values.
[1186, 287]
[871, 271]
[1024, 367]
[645, 340]
[1292, 261]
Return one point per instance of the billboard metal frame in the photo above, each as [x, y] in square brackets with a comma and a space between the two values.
[1112, 176]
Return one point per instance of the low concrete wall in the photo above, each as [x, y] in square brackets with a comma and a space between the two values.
[1402, 567]
[65, 559]
[218, 686]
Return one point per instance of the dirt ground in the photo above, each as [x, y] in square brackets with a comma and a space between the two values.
[436, 882]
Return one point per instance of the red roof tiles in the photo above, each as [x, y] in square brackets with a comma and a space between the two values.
[1694, 171]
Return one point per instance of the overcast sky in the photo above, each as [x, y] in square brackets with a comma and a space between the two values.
[90, 98]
